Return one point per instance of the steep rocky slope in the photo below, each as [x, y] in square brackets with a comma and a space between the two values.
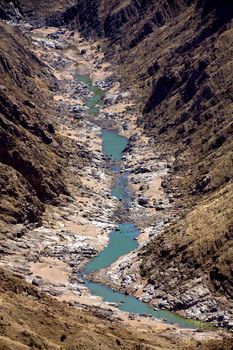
[176, 57]
[190, 110]
[30, 158]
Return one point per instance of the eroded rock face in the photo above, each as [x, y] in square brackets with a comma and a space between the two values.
[29, 156]
[134, 20]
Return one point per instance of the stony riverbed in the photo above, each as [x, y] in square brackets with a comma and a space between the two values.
[72, 233]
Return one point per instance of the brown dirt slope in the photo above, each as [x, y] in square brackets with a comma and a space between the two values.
[29, 158]
[31, 320]
[188, 77]
[185, 67]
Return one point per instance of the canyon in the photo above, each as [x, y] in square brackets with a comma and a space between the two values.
[159, 73]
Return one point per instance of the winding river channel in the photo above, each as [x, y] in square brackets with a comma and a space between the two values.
[123, 239]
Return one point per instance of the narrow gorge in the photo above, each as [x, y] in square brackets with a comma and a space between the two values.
[116, 175]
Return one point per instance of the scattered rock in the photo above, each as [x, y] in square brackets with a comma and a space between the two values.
[143, 202]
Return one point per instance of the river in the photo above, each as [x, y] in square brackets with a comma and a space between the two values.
[123, 239]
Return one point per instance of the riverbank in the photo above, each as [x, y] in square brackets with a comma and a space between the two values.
[116, 105]
[73, 233]
[157, 205]
[50, 255]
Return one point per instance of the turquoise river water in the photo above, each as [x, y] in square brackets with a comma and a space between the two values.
[122, 240]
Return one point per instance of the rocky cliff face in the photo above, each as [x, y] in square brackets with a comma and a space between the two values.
[119, 20]
[29, 157]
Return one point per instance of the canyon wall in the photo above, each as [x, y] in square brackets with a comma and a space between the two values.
[176, 59]
[181, 74]
[30, 152]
